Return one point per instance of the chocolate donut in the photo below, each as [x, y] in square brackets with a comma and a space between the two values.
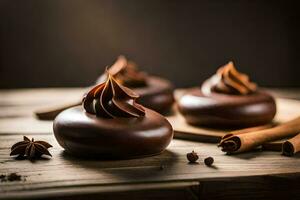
[227, 99]
[112, 125]
[155, 93]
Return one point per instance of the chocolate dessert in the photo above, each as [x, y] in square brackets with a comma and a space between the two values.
[227, 99]
[111, 124]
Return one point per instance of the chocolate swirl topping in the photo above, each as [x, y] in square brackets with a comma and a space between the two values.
[127, 73]
[229, 81]
[112, 100]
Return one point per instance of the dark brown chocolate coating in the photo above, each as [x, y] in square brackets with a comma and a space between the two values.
[157, 95]
[225, 110]
[84, 134]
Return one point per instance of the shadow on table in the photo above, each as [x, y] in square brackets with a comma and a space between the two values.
[248, 155]
[134, 169]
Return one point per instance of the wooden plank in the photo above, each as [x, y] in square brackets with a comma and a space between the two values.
[66, 175]
[65, 171]
[267, 187]
[18, 106]
[40, 96]
[166, 190]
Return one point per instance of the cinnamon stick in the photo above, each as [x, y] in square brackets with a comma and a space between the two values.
[247, 130]
[272, 146]
[269, 146]
[244, 142]
[291, 146]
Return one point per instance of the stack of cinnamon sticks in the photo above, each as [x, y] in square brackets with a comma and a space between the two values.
[248, 139]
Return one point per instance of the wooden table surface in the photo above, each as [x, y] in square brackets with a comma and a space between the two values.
[252, 175]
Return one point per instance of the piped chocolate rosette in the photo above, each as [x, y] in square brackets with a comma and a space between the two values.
[228, 80]
[227, 99]
[110, 124]
[110, 99]
[155, 92]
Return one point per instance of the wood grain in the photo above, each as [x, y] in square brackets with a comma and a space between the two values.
[67, 176]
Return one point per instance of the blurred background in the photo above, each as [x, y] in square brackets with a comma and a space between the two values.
[61, 43]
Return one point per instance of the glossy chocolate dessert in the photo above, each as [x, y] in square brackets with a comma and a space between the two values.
[227, 99]
[110, 124]
[155, 93]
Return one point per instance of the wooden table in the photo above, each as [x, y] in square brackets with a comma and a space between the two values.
[254, 175]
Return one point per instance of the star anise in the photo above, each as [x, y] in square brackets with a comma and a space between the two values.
[30, 149]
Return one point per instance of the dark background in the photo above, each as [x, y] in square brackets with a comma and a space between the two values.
[68, 43]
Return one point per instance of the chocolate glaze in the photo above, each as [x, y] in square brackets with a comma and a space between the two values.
[232, 101]
[84, 134]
